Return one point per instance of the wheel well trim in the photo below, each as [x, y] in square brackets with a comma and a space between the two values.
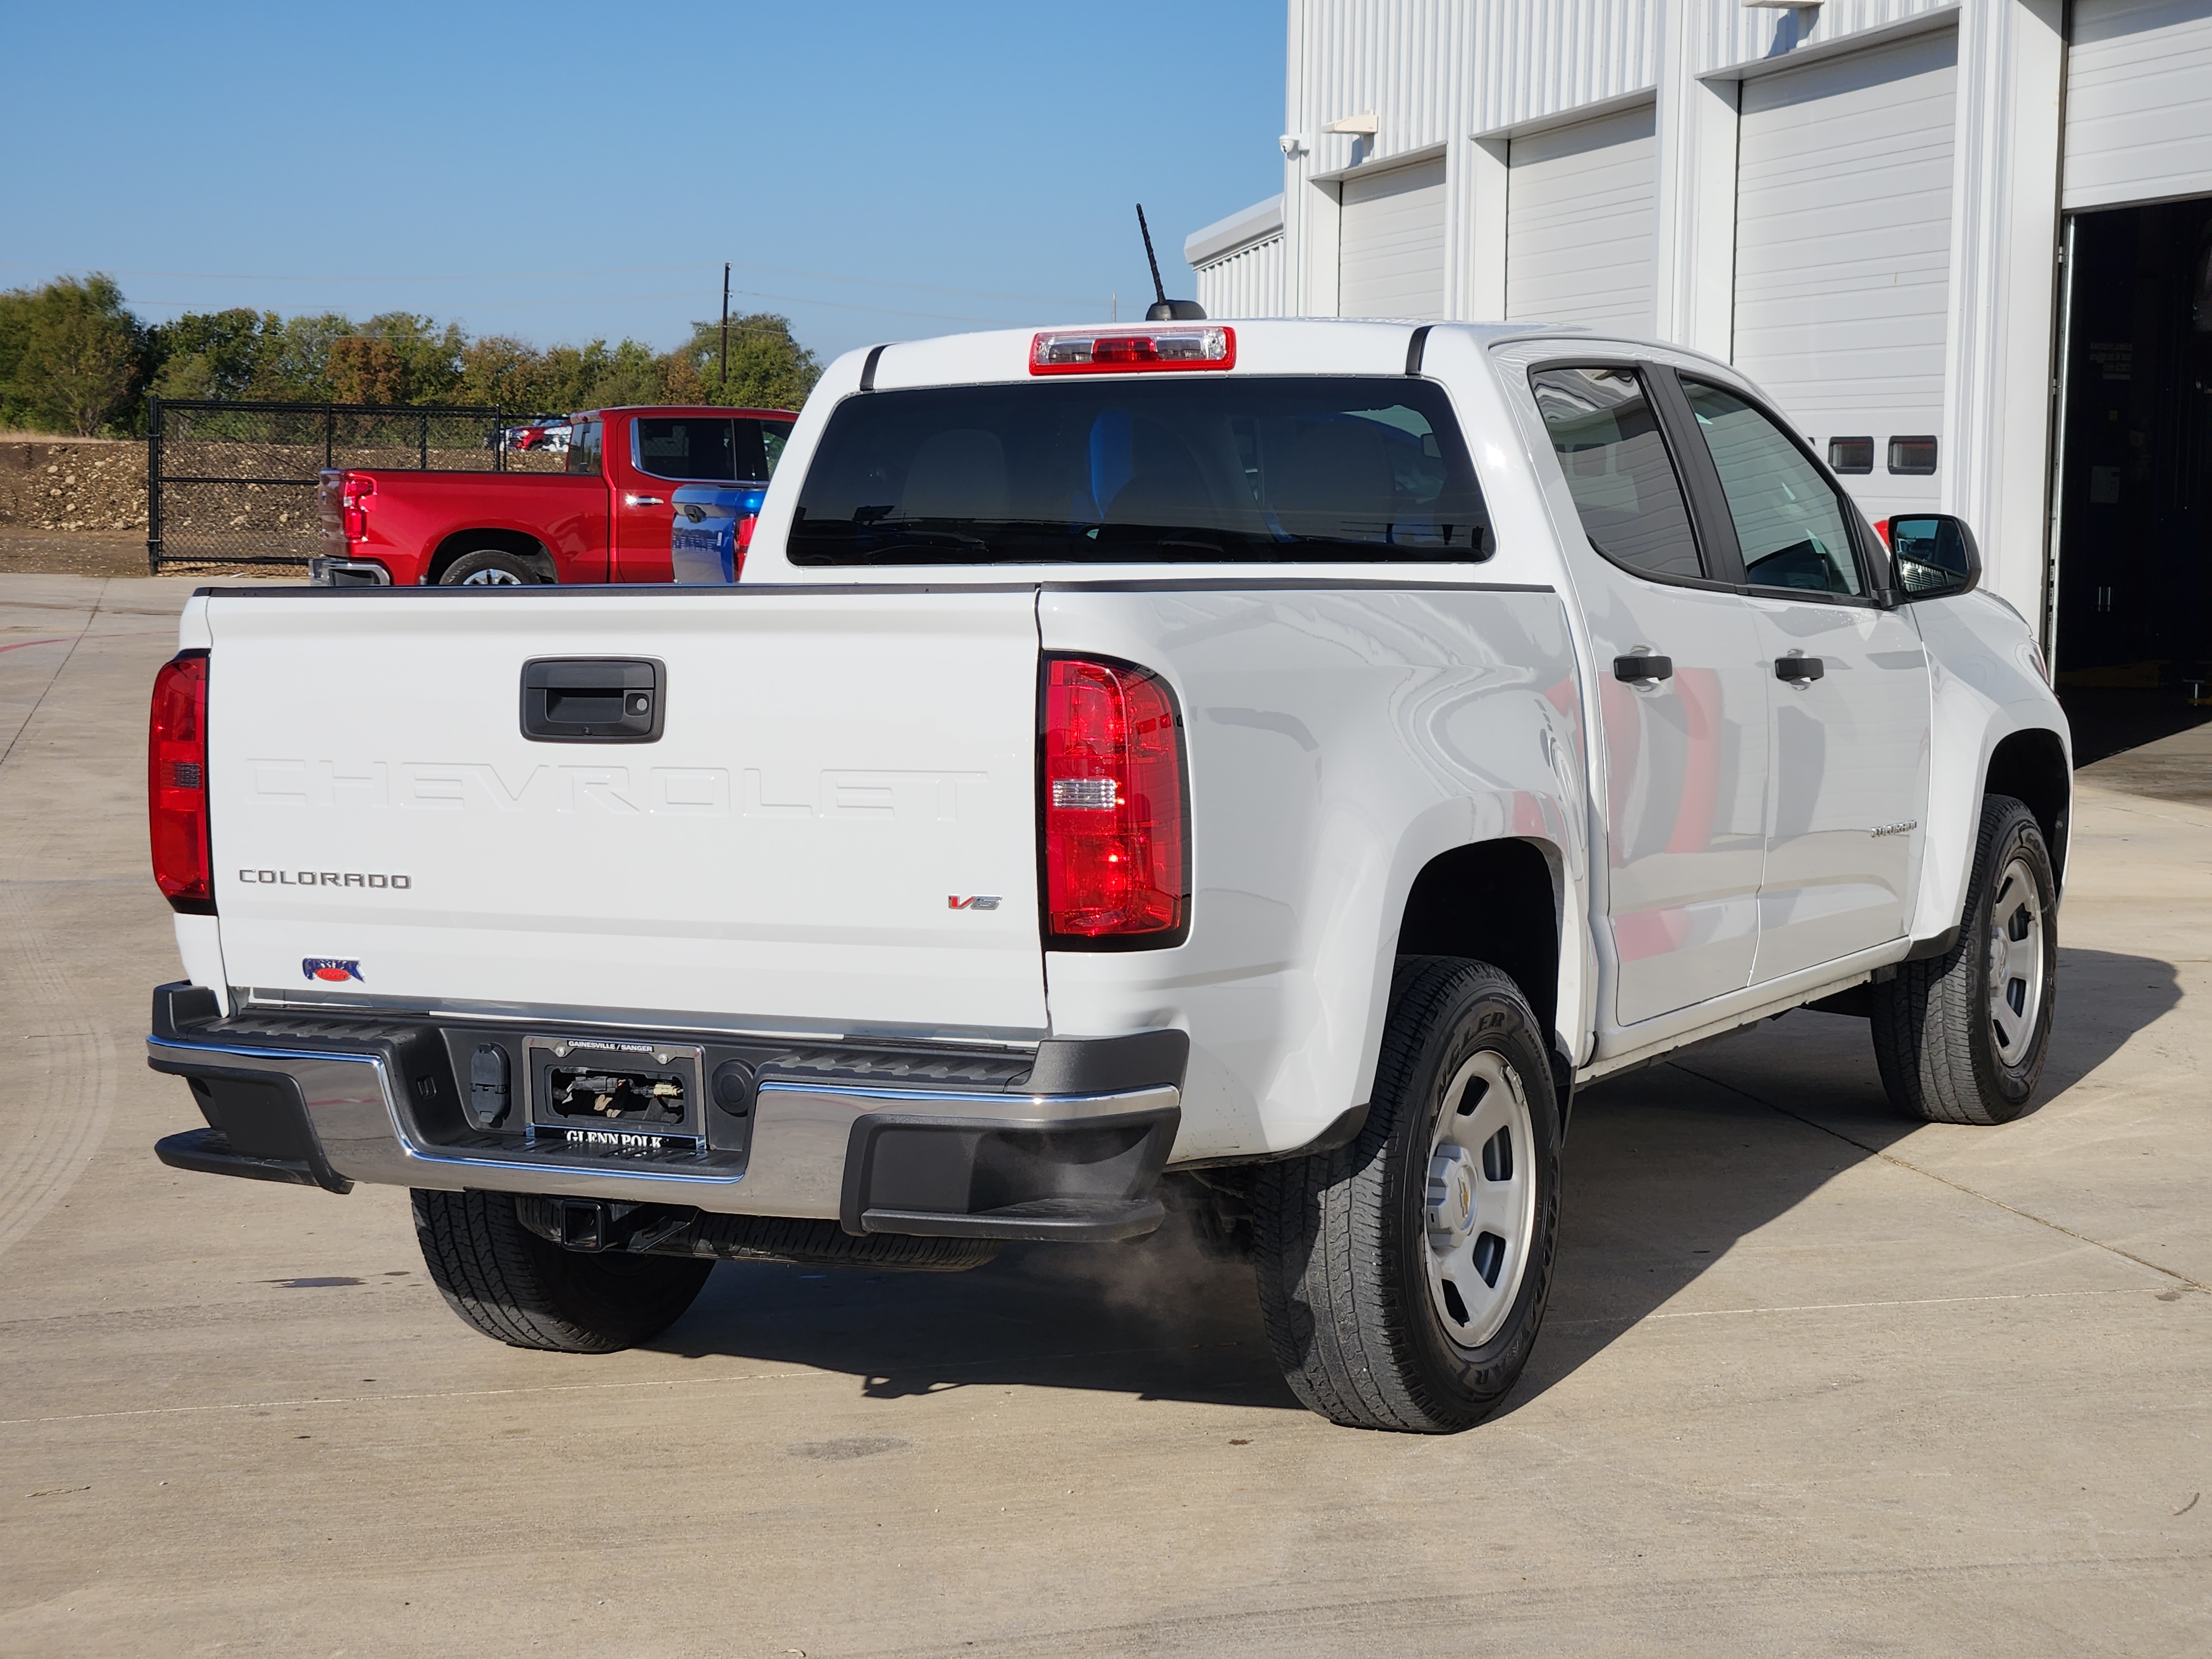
[485, 538]
[1940, 901]
[1557, 1005]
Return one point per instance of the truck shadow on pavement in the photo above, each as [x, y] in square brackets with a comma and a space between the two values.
[1667, 1170]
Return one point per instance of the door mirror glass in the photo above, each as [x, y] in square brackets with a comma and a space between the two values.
[1936, 554]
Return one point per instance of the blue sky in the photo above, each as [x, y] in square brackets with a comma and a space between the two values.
[876, 171]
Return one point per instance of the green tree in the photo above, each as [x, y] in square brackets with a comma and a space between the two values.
[294, 365]
[208, 354]
[769, 369]
[71, 354]
[72, 357]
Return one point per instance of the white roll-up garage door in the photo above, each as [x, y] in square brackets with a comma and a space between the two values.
[2138, 101]
[1582, 208]
[1390, 252]
[1843, 248]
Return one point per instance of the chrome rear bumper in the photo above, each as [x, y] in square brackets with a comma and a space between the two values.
[991, 1160]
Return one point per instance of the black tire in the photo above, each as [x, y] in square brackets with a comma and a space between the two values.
[1940, 1051]
[1341, 1240]
[510, 1283]
[495, 567]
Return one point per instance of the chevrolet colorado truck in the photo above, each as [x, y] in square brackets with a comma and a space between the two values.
[1262, 768]
[606, 518]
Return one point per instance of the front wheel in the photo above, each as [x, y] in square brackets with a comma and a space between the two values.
[508, 1283]
[1403, 1278]
[1961, 1038]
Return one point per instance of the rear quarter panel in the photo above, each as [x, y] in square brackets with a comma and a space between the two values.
[413, 514]
[1338, 737]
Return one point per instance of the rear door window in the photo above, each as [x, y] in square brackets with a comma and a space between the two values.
[701, 448]
[1606, 436]
[1276, 468]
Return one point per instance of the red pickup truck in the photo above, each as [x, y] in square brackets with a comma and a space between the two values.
[605, 520]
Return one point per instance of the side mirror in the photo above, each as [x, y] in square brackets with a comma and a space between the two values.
[1936, 555]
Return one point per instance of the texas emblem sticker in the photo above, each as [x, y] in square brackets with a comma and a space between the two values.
[329, 969]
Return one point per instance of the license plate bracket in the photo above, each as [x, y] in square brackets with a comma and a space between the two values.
[616, 1094]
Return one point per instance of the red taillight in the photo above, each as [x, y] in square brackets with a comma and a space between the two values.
[1116, 823]
[177, 784]
[1122, 351]
[354, 491]
[745, 527]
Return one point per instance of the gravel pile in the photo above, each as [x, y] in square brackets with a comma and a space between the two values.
[72, 483]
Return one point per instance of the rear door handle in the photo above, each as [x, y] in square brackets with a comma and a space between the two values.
[1643, 669]
[643, 501]
[593, 699]
[1798, 671]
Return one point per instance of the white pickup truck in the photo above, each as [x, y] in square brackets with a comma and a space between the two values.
[1261, 769]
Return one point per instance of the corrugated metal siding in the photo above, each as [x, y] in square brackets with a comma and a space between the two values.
[1581, 221]
[1401, 59]
[1391, 244]
[1537, 57]
[2138, 101]
[1844, 244]
[1732, 34]
[1247, 283]
[1524, 60]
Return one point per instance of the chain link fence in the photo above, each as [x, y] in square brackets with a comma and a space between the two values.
[236, 483]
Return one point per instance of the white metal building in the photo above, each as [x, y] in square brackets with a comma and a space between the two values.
[1868, 205]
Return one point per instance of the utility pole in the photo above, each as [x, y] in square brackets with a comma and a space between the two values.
[725, 322]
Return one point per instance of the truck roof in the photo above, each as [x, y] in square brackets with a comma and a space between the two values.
[1316, 345]
[682, 409]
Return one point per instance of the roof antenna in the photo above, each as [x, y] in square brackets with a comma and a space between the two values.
[1163, 309]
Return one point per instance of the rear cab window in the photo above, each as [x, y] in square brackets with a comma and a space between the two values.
[584, 439]
[708, 448]
[1275, 469]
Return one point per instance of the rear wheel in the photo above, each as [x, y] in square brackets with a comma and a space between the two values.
[1403, 1278]
[494, 567]
[1961, 1038]
[508, 1283]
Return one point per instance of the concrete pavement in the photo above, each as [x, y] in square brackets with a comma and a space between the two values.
[1814, 1380]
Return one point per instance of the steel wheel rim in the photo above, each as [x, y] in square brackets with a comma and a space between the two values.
[2016, 961]
[1479, 1209]
[492, 578]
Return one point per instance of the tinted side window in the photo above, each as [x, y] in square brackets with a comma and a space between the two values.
[774, 435]
[699, 447]
[1617, 470]
[584, 447]
[1789, 523]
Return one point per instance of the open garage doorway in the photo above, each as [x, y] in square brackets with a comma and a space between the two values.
[2133, 634]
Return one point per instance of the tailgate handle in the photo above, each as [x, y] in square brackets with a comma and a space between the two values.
[593, 699]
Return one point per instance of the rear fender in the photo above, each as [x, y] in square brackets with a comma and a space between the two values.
[1339, 740]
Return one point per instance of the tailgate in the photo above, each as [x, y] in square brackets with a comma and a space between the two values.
[834, 775]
